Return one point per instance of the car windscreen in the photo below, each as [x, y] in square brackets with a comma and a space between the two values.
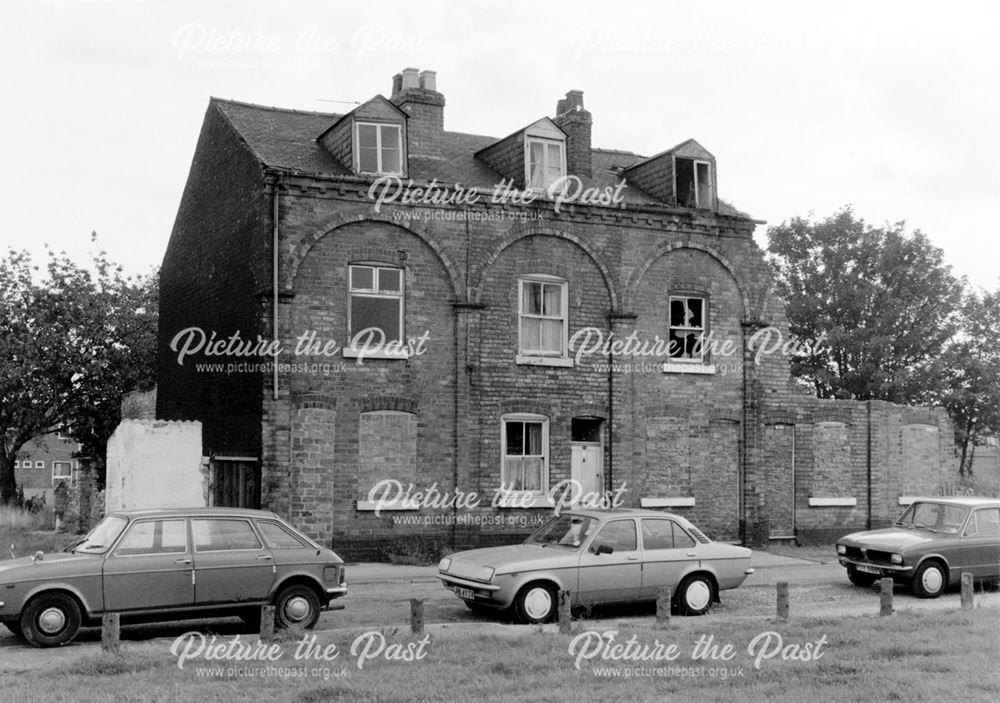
[564, 531]
[937, 517]
[100, 539]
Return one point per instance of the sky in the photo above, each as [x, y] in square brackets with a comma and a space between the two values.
[890, 107]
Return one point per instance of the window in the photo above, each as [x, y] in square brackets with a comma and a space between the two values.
[375, 317]
[543, 310]
[546, 162]
[277, 537]
[219, 535]
[694, 183]
[380, 148]
[154, 537]
[985, 522]
[619, 535]
[17, 464]
[525, 442]
[687, 328]
[62, 471]
[664, 534]
[39, 465]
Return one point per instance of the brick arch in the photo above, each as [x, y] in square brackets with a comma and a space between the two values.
[519, 232]
[300, 250]
[666, 248]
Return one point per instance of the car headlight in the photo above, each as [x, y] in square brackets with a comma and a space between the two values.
[841, 549]
[896, 558]
[484, 573]
[445, 564]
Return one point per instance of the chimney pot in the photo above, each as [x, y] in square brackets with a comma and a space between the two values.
[428, 80]
[411, 78]
[397, 83]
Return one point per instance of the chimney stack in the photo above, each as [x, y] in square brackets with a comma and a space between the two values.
[576, 122]
[415, 93]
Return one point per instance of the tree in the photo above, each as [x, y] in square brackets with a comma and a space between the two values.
[70, 346]
[971, 368]
[885, 300]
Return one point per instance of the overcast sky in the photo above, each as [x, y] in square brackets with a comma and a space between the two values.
[892, 107]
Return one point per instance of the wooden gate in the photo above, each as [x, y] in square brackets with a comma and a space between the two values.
[235, 482]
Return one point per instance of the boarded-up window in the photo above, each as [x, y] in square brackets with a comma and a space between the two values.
[387, 449]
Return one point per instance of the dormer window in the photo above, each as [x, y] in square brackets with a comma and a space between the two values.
[546, 162]
[694, 183]
[379, 148]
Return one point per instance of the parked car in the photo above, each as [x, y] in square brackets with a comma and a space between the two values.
[171, 565]
[929, 548]
[599, 556]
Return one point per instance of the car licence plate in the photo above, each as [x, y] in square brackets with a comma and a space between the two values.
[865, 569]
[465, 593]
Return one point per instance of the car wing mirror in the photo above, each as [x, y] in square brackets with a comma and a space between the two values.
[604, 549]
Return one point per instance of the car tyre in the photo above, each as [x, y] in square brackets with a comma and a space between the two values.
[694, 595]
[535, 603]
[296, 605]
[861, 579]
[930, 580]
[50, 620]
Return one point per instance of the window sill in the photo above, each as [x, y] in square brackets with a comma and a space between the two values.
[375, 354]
[833, 502]
[516, 500]
[695, 368]
[367, 506]
[525, 360]
[679, 502]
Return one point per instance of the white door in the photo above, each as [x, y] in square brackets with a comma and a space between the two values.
[587, 467]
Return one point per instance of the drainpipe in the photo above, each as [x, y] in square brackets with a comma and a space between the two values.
[274, 182]
[868, 463]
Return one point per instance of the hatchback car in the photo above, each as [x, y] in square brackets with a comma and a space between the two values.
[932, 544]
[171, 565]
[599, 556]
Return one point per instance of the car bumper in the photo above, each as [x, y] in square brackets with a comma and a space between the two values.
[476, 591]
[894, 570]
[336, 591]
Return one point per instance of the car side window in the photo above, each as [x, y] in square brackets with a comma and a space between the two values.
[619, 535]
[657, 534]
[277, 537]
[214, 535]
[985, 522]
[154, 537]
[682, 540]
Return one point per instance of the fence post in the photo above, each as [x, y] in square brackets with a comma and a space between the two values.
[267, 623]
[663, 605]
[967, 596]
[565, 616]
[110, 633]
[417, 616]
[885, 597]
[782, 600]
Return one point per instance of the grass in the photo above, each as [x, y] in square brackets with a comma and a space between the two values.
[906, 657]
[26, 531]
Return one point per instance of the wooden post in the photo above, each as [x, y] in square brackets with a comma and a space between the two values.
[417, 616]
[885, 597]
[663, 605]
[782, 600]
[565, 616]
[967, 597]
[110, 633]
[267, 623]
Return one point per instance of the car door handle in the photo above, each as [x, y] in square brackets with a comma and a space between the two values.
[183, 562]
[633, 558]
[264, 557]
[692, 554]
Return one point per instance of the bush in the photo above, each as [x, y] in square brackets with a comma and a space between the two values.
[415, 550]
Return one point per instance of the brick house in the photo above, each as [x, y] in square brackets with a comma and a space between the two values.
[442, 305]
[44, 462]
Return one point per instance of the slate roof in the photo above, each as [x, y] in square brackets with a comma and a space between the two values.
[287, 140]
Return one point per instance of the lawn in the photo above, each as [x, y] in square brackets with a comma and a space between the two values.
[911, 657]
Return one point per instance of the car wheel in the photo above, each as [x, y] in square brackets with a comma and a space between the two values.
[930, 580]
[861, 579]
[50, 620]
[296, 605]
[694, 595]
[536, 603]
[15, 627]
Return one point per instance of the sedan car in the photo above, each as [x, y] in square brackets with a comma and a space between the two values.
[171, 565]
[599, 556]
[929, 548]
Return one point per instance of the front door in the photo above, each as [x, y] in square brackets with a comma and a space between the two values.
[150, 568]
[587, 467]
